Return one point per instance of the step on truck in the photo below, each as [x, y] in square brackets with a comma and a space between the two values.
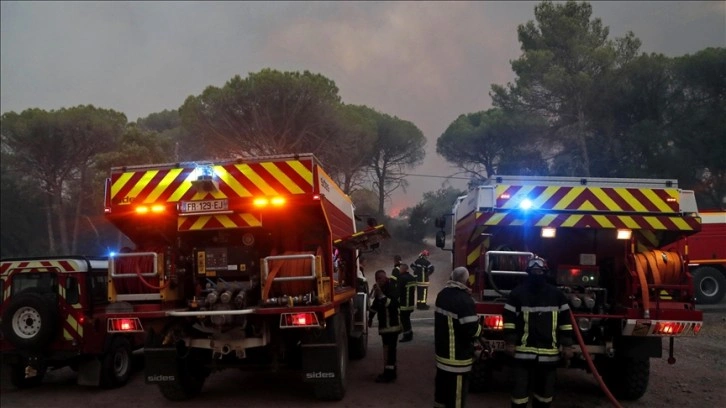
[248, 263]
[55, 313]
[601, 239]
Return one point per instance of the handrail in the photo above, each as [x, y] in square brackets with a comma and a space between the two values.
[509, 253]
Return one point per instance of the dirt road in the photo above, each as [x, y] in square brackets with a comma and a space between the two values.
[696, 380]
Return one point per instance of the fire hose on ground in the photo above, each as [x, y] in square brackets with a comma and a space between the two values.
[590, 364]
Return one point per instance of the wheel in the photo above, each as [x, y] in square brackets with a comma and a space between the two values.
[17, 377]
[335, 390]
[627, 377]
[359, 346]
[188, 386]
[709, 284]
[30, 321]
[116, 363]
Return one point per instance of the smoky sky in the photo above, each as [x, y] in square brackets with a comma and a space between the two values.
[425, 62]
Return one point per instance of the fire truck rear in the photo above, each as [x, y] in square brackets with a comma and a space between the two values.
[600, 238]
[242, 263]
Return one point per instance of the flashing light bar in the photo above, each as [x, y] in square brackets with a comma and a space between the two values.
[265, 201]
[297, 320]
[493, 322]
[124, 325]
[525, 204]
[145, 209]
[548, 232]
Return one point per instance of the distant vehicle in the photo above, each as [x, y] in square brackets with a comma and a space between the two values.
[707, 257]
[55, 313]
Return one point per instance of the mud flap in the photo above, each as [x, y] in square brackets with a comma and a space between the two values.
[320, 362]
[160, 365]
[89, 372]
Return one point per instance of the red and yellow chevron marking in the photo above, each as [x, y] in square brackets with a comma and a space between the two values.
[234, 180]
[62, 265]
[640, 200]
[477, 246]
[634, 222]
[217, 221]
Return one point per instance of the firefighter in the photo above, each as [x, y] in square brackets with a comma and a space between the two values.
[536, 324]
[396, 267]
[456, 327]
[422, 269]
[407, 291]
[385, 305]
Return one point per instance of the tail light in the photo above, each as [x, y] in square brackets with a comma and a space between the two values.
[124, 325]
[304, 319]
[493, 322]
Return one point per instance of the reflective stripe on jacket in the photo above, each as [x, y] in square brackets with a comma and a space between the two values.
[456, 326]
[386, 308]
[537, 321]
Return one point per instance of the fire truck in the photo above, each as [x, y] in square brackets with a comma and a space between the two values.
[248, 263]
[600, 237]
[707, 257]
[55, 314]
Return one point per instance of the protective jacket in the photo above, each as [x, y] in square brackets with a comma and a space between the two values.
[407, 290]
[422, 269]
[456, 326]
[537, 322]
[386, 307]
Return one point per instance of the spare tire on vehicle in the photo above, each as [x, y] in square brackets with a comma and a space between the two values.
[30, 321]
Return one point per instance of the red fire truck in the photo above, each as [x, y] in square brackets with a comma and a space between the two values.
[707, 257]
[55, 313]
[240, 263]
[600, 237]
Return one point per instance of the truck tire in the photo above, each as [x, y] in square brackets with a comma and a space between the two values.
[628, 377]
[116, 363]
[335, 390]
[709, 285]
[17, 377]
[359, 346]
[188, 385]
[30, 321]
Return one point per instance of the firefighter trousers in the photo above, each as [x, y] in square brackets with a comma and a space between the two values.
[537, 379]
[390, 343]
[406, 322]
[422, 292]
[451, 389]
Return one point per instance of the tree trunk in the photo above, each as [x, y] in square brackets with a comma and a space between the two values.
[62, 223]
[582, 141]
[79, 206]
[49, 223]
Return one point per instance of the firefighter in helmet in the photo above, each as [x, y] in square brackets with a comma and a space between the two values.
[407, 293]
[536, 324]
[422, 269]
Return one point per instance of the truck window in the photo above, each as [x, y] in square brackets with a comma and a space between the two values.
[98, 280]
[41, 282]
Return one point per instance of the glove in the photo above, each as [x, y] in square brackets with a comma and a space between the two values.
[377, 292]
[567, 352]
[370, 321]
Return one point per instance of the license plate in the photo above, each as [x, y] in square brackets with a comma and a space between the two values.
[203, 206]
[495, 345]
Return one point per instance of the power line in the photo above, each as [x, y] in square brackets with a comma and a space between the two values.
[433, 176]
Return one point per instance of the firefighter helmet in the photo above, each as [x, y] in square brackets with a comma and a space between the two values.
[536, 263]
[425, 252]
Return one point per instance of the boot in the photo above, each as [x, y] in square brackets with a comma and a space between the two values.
[408, 336]
[389, 375]
[422, 306]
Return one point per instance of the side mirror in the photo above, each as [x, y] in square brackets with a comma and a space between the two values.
[440, 222]
[440, 239]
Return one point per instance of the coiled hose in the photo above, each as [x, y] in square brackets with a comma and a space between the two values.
[658, 267]
[590, 364]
